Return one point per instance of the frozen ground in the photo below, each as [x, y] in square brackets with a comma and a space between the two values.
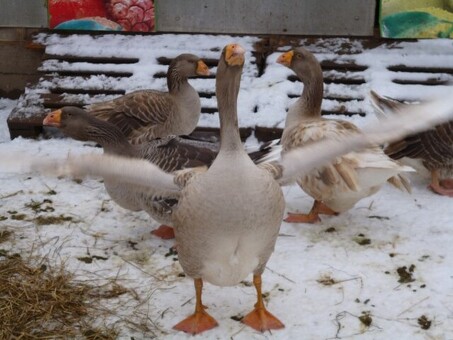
[319, 281]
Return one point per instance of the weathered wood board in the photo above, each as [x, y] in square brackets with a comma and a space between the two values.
[81, 74]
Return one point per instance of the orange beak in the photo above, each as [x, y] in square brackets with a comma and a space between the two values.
[234, 55]
[202, 68]
[285, 58]
[53, 119]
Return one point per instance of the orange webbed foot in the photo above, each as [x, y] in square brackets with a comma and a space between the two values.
[441, 190]
[164, 232]
[442, 187]
[196, 323]
[313, 216]
[302, 218]
[446, 183]
[325, 210]
[262, 320]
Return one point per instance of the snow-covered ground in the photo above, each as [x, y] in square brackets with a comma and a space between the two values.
[319, 281]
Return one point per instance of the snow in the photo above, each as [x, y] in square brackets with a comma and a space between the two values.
[6, 106]
[263, 98]
[403, 229]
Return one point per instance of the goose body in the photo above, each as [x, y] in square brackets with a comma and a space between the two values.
[338, 186]
[148, 114]
[228, 217]
[231, 216]
[170, 154]
[433, 147]
[349, 178]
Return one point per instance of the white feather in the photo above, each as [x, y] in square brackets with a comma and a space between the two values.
[133, 171]
[300, 161]
[295, 163]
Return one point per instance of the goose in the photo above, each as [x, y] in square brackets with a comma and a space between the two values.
[148, 114]
[171, 153]
[338, 186]
[228, 216]
[433, 147]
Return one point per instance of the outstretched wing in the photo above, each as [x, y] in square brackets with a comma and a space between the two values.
[134, 171]
[294, 164]
[301, 161]
[434, 146]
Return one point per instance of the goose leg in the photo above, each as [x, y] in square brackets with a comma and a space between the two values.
[313, 215]
[164, 232]
[199, 321]
[444, 187]
[260, 319]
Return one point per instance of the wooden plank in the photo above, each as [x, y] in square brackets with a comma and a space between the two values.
[211, 62]
[88, 73]
[27, 127]
[90, 59]
[335, 80]
[342, 110]
[340, 98]
[55, 100]
[91, 92]
[427, 82]
[164, 75]
[266, 134]
[420, 69]
[342, 67]
[206, 94]
[309, 17]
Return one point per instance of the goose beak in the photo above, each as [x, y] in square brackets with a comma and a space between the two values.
[234, 55]
[202, 68]
[285, 58]
[53, 119]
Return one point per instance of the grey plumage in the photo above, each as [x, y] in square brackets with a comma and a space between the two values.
[170, 154]
[148, 114]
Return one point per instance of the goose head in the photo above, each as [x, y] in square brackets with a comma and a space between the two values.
[303, 63]
[76, 123]
[233, 55]
[188, 65]
[308, 70]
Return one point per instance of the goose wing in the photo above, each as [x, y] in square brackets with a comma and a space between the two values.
[300, 161]
[136, 110]
[293, 165]
[434, 146]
